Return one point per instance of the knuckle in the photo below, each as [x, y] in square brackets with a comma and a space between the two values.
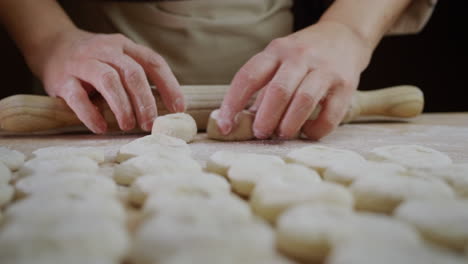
[134, 76]
[278, 43]
[307, 99]
[118, 37]
[280, 89]
[109, 77]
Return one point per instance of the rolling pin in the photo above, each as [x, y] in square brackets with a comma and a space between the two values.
[34, 113]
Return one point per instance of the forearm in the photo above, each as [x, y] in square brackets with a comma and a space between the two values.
[33, 24]
[369, 19]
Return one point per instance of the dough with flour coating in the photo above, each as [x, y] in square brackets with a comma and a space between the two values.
[5, 174]
[51, 167]
[443, 222]
[220, 161]
[62, 152]
[152, 145]
[6, 194]
[11, 158]
[178, 125]
[241, 131]
[126, 172]
[411, 156]
[321, 157]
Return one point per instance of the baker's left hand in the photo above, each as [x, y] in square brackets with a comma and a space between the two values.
[321, 64]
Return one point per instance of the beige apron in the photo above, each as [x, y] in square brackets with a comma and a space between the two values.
[207, 41]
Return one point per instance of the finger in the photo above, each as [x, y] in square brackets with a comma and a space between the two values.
[334, 108]
[77, 99]
[138, 89]
[278, 94]
[253, 76]
[160, 74]
[258, 101]
[304, 101]
[106, 81]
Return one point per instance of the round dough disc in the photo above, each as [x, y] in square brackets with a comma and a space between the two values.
[178, 125]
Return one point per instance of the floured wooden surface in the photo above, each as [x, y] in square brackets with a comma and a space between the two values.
[444, 132]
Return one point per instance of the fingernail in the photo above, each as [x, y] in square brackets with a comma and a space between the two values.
[253, 109]
[282, 136]
[178, 105]
[224, 126]
[147, 126]
[260, 135]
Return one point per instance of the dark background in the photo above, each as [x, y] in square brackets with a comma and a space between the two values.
[434, 60]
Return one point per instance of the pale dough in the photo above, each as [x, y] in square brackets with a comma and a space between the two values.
[244, 174]
[166, 236]
[5, 174]
[372, 252]
[6, 194]
[241, 131]
[411, 156]
[272, 196]
[321, 157]
[152, 145]
[383, 194]
[54, 167]
[126, 172]
[187, 182]
[347, 173]
[178, 125]
[309, 232]
[456, 175]
[220, 161]
[443, 222]
[60, 152]
[11, 158]
[72, 183]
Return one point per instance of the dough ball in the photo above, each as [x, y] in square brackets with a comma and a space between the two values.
[322, 157]
[411, 156]
[69, 184]
[6, 194]
[126, 172]
[372, 252]
[60, 152]
[242, 131]
[178, 125]
[244, 174]
[215, 205]
[221, 161]
[5, 174]
[167, 236]
[11, 158]
[347, 173]
[53, 167]
[272, 196]
[384, 194]
[456, 175]
[309, 232]
[201, 183]
[443, 222]
[152, 145]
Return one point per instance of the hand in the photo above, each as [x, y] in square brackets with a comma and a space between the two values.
[320, 64]
[77, 62]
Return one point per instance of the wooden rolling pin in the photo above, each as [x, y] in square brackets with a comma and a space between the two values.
[34, 113]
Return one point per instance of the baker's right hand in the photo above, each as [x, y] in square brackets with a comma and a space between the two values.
[74, 64]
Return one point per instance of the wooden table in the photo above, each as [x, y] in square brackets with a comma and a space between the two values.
[447, 132]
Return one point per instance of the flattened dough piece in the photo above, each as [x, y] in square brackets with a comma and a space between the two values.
[61, 152]
[5, 174]
[11, 158]
[321, 157]
[456, 175]
[152, 145]
[411, 156]
[220, 161]
[384, 194]
[242, 130]
[126, 172]
[442, 222]
[6, 194]
[199, 183]
[178, 125]
[347, 173]
[51, 167]
[372, 252]
[272, 196]
[73, 183]
[309, 232]
[244, 174]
